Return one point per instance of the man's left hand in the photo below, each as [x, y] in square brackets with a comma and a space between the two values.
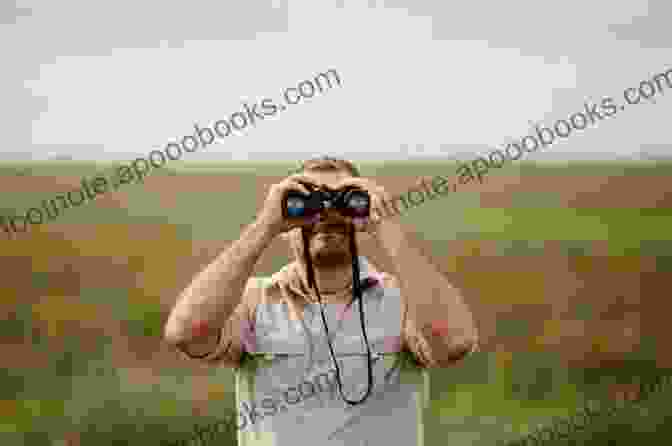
[379, 196]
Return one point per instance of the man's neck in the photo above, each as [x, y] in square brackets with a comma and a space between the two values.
[334, 283]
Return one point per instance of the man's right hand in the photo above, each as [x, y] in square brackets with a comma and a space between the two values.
[271, 213]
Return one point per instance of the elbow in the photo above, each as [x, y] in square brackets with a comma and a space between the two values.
[173, 334]
[454, 343]
[464, 348]
[181, 328]
[457, 350]
[176, 339]
[172, 338]
[197, 341]
[466, 342]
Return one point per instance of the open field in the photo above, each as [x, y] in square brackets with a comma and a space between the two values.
[566, 267]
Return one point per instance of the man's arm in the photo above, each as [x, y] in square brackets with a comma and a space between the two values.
[438, 327]
[210, 314]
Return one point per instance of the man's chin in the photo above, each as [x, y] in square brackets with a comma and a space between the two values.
[328, 258]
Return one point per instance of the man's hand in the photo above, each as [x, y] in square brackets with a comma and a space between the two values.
[271, 212]
[379, 196]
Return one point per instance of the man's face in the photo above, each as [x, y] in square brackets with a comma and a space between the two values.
[328, 239]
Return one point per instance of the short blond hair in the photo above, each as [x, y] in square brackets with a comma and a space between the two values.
[328, 163]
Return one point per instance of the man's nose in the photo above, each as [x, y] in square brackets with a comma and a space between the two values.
[331, 216]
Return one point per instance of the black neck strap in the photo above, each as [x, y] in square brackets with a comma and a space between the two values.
[357, 294]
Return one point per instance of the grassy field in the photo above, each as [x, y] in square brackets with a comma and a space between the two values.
[564, 266]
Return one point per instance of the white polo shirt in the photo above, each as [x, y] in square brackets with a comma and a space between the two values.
[286, 389]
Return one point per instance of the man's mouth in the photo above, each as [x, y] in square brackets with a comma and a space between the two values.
[329, 235]
[329, 230]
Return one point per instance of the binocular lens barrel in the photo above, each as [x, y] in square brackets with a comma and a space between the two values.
[295, 207]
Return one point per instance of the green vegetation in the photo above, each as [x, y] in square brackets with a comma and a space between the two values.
[490, 397]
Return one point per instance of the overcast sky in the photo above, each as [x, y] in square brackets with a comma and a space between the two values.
[100, 80]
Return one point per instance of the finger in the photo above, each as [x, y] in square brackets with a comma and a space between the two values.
[379, 199]
[303, 179]
[296, 185]
[353, 182]
[301, 222]
[305, 182]
[384, 195]
[376, 208]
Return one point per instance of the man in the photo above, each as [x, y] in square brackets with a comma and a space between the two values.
[271, 331]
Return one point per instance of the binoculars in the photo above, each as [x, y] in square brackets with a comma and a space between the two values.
[349, 202]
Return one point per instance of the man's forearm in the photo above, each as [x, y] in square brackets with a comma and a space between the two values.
[214, 293]
[433, 304]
